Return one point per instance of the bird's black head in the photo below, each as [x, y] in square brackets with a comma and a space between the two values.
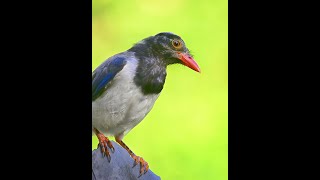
[168, 48]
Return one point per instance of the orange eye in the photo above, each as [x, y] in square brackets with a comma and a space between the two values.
[177, 44]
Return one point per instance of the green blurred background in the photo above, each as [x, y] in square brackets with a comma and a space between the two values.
[185, 136]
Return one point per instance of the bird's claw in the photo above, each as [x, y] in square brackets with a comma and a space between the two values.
[110, 146]
[104, 143]
[144, 167]
[135, 161]
[105, 152]
[109, 157]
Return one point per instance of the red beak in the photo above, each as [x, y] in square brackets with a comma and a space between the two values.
[189, 61]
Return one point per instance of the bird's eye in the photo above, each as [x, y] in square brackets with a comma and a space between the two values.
[177, 44]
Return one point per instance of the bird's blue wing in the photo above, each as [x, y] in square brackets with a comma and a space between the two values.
[104, 74]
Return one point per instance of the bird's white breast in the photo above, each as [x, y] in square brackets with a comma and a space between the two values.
[122, 106]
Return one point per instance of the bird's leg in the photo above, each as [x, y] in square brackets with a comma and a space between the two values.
[104, 143]
[144, 167]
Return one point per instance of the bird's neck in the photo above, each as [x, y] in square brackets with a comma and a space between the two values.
[151, 71]
[150, 75]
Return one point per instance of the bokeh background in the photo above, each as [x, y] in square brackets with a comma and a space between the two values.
[185, 136]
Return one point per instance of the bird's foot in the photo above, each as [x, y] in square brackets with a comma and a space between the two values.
[144, 167]
[104, 143]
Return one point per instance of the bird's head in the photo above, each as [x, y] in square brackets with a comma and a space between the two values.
[168, 48]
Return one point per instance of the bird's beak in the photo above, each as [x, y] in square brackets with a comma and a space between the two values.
[188, 61]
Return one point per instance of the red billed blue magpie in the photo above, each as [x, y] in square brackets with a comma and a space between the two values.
[126, 86]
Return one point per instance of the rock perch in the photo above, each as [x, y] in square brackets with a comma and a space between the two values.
[120, 167]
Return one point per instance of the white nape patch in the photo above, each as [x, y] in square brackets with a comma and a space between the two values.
[122, 106]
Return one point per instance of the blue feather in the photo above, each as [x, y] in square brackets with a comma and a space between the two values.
[104, 74]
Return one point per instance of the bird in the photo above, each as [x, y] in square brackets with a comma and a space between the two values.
[126, 86]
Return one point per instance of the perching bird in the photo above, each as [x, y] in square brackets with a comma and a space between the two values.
[126, 86]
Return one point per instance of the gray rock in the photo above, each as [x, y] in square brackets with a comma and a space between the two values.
[119, 168]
